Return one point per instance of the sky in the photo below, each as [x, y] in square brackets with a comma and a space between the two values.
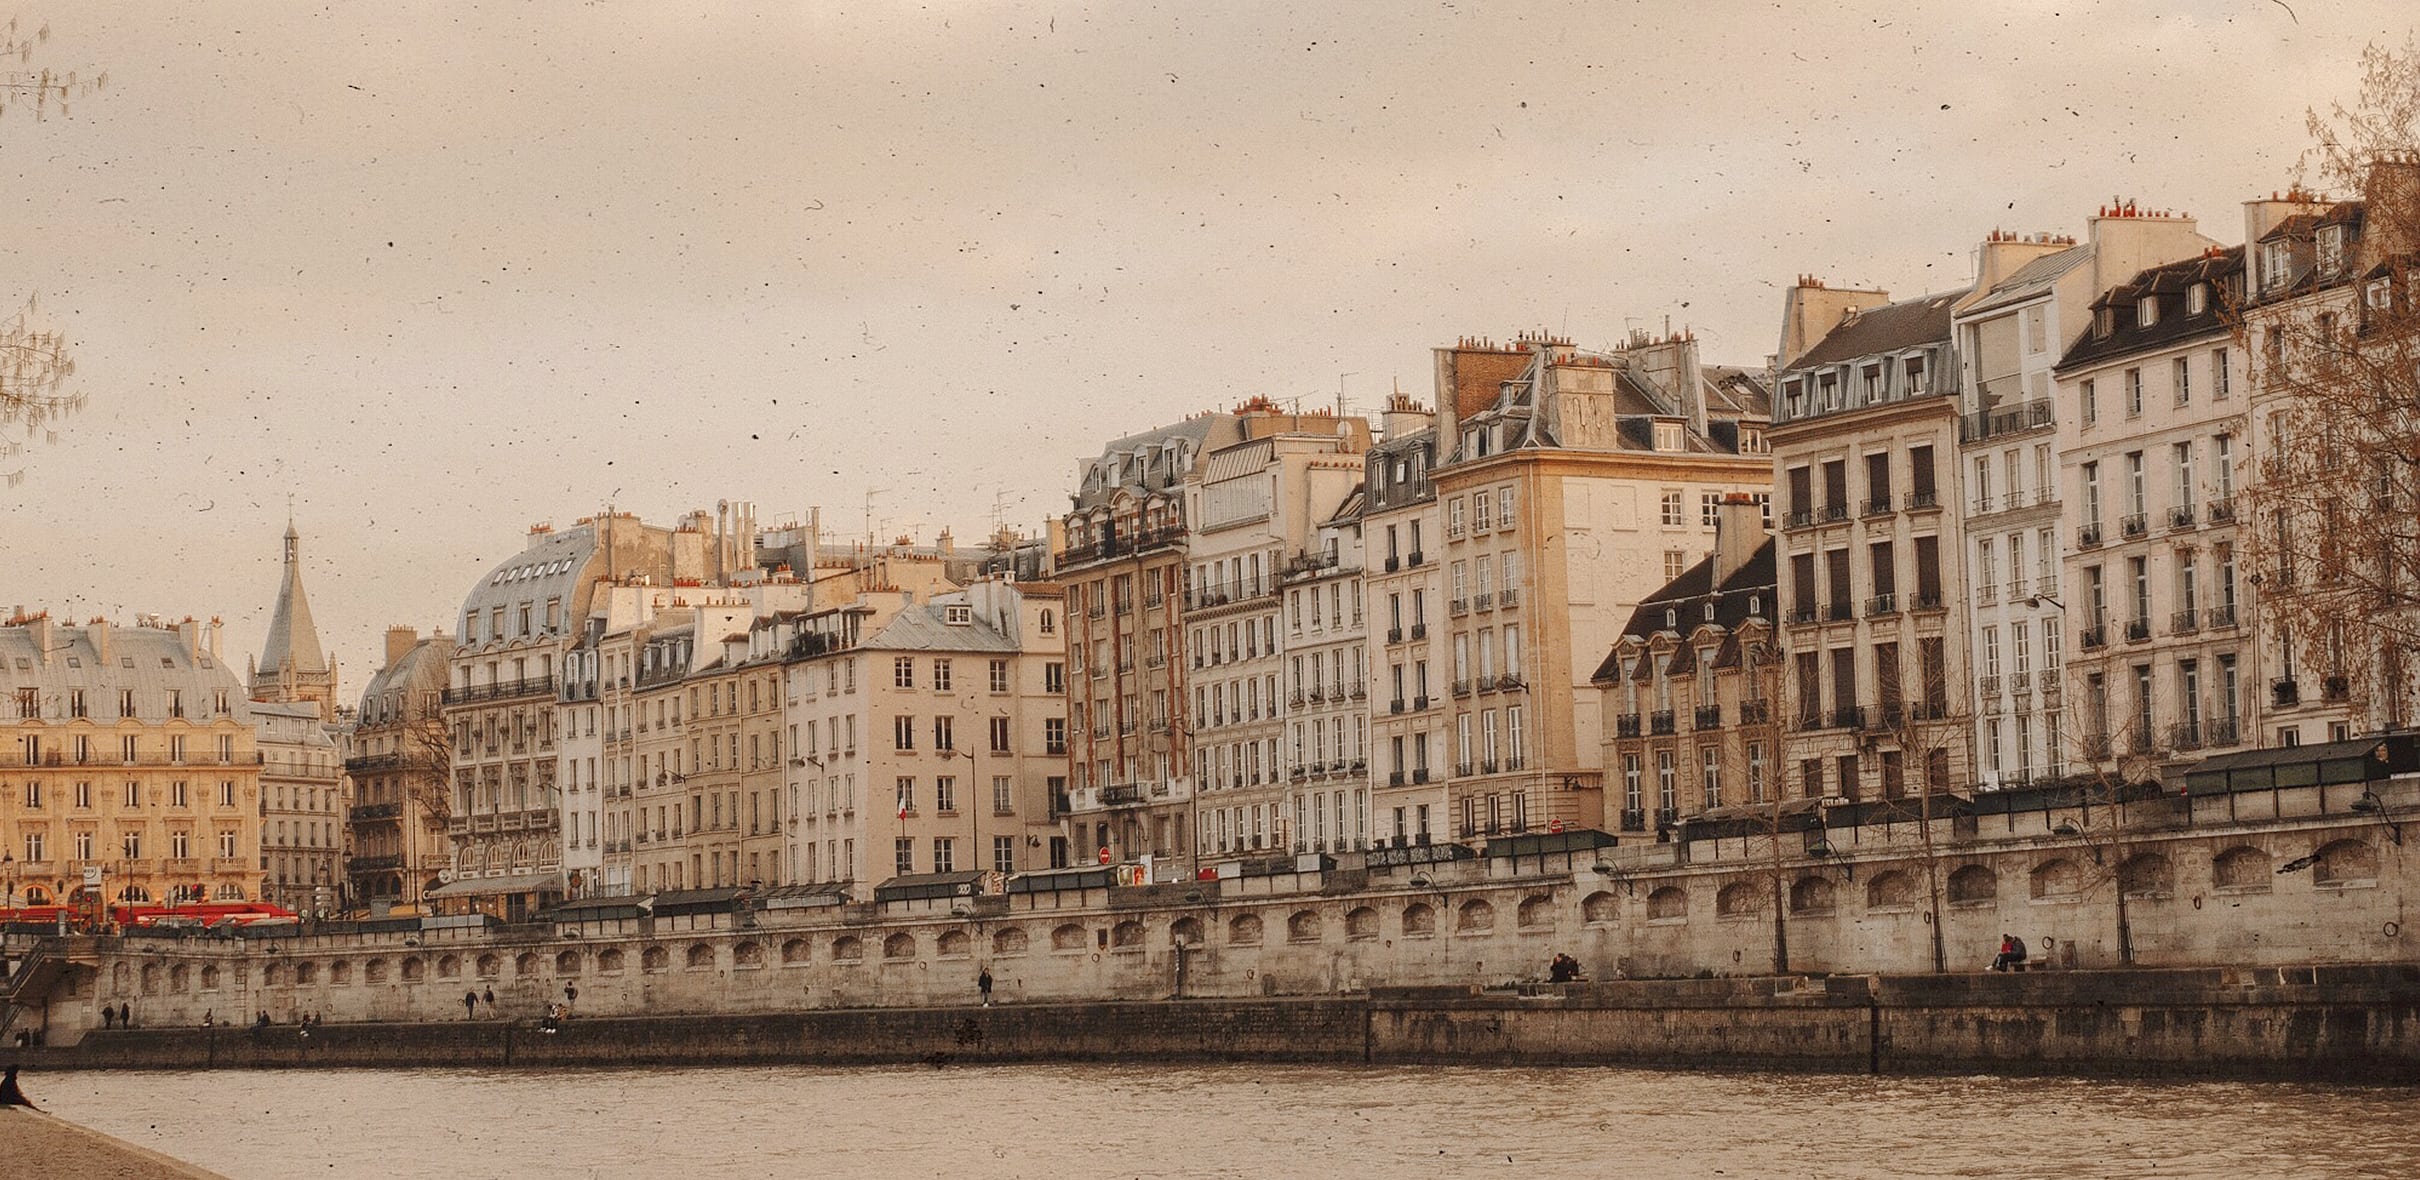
[432, 273]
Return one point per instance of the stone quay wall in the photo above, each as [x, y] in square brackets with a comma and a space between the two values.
[2196, 891]
[2344, 1023]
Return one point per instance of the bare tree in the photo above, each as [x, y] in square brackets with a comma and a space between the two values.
[2330, 320]
[34, 362]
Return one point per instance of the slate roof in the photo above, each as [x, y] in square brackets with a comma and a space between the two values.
[293, 636]
[149, 660]
[1688, 594]
[2031, 279]
[922, 627]
[1155, 460]
[1893, 327]
[2223, 270]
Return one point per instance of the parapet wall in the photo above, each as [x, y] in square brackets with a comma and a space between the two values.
[2200, 894]
[2356, 1024]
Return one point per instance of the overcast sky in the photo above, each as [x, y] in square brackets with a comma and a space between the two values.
[439, 271]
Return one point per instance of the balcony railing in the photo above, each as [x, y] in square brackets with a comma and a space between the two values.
[2334, 688]
[2221, 511]
[1457, 607]
[1799, 519]
[2133, 525]
[2285, 692]
[2185, 622]
[2088, 537]
[1923, 499]
[2180, 517]
[1709, 717]
[1927, 600]
[1509, 597]
[1991, 687]
[2006, 419]
[2096, 747]
[1879, 505]
[1802, 614]
[2222, 731]
[1461, 688]
[1755, 712]
[1848, 717]
[2138, 630]
[2093, 638]
[2222, 616]
[2185, 735]
[1626, 725]
[1882, 604]
[504, 690]
[1661, 722]
[1835, 513]
[1841, 612]
[1483, 602]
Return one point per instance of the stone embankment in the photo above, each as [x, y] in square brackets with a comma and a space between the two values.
[2313, 1023]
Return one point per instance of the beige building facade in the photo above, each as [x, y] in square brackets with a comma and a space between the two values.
[399, 759]
[132, 767]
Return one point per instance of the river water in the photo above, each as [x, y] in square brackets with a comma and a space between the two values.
[1068, 1122]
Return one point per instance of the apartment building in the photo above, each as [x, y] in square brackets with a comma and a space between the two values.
[1573, 483]
[2033, 296]
[2152, 435]
[302, 809]
[1259, 509]
[1130, 762]
[1688, 690]
[502, 701]
[134, 765]
[2328, 325]
[929, 735]
[1867, 564]
[399, 759]
[1401, 524]
[1325, 640]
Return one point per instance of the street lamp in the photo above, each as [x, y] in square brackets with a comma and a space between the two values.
[975, 803]
[2036, 600]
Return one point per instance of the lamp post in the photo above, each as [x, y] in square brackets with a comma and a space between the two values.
[8, 865]
[974, 809]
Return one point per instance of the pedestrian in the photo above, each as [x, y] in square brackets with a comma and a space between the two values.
[490, 999]
[208, 1019]
[109, 1016]
[125, 1016]
[10, 1094]
[571, 995]
[983, 983]
[470, 1005]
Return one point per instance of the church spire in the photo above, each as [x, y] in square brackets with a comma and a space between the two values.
[292, 666]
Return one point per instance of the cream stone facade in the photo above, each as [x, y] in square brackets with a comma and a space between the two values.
[130, 759]
[2153, 442]
[1400, 515]
[1258, 511]
[925, 735]
[302, 808]
[1868, 571]
[1574, 484]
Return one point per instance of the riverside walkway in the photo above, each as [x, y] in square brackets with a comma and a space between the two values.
[55, 1149]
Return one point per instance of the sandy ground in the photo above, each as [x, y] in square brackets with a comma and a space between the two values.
[34, 1144]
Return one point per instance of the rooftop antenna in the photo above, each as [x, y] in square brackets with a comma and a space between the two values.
[870, 493]
[1340, 391]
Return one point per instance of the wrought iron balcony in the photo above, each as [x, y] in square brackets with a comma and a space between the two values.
[2089, 536]
[1882, 604]
[1625, 725]
[2092, 638]
[1661, 722]
[1709, 717]
[2180, 517]
[2285, 692]
[2184, 622]
[1923, 499]
[2138, 630]
[2133, 525]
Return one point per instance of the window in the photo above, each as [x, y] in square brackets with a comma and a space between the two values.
[1673, 515]
[903, 672]
[1667, 436]
[944, 733]
[903, 733]
[941, 676]
[2219, 383]
[1004, 854]
[2134, 393]
[1709, 508]
[1676, 563]
[2181, 375]
[903, 855]
[1054, 678]
[945, 797]
[999, 728]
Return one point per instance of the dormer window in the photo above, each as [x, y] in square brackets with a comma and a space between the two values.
[1756, 605]
[1709, 610]
[2104, 322]
[2331, 249]
[958, 614]
[2380, 296]
[1672, 619]
[2146, 311]
[2276, 264]
[2197, 299]
[1667, 436]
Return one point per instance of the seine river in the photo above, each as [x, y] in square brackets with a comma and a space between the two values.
[1062, 1122]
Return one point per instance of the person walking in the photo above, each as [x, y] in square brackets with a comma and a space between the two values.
[983, 984]
[470, 1005]
[490, 1000]
[109, 1017]
[125, 1016]
[571, 995]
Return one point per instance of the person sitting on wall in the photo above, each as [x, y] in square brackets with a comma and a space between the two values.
[2016, 953]
[2009, 955]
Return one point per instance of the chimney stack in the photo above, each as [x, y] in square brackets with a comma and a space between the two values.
[1739, 531]
[400, 641]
